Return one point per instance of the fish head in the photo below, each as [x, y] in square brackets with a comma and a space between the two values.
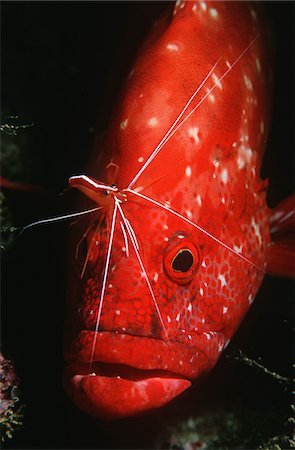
[163, 273]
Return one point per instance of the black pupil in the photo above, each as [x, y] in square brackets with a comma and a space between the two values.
[183, 261]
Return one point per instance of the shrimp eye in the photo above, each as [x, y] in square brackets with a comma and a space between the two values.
[181, 258]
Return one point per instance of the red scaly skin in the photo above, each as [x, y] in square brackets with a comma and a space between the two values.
[208, 171]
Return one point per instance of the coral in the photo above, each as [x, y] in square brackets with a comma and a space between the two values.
[11, 408]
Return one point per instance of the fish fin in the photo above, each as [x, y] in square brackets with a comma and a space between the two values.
[281, 254]
[5, 183]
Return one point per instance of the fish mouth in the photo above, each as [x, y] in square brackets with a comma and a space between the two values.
[114, 391]
[129, 375]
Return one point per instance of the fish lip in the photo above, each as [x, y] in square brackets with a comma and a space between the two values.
[112, 397]
[142, 353]
[120, 371]
[155, 374]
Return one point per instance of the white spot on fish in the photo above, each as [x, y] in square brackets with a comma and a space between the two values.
[118, 312]
[210, 96]
[203, 264]
[140, 159]
[168, 319]
[91, 312]
[193, 133]
[223, 200]
[156, 277]
[241, 162]
[123, 124]
[201, 292]
[224, 176]
[207, 335]
[238, 249]
[248, 82]
[195, 8]
[203, 6]
[250, 299]
[203, 320]
[224, 310]
[222, 279]
[172, 47]
[199, 199]
[213, 13]
[188, 171]
[217, 82]
[110, 286]
[177, 317]
[165, 226]
[189, 308]
[228, 64]
[153, 122]
[257, 230]
[245, 155]
[189, 214]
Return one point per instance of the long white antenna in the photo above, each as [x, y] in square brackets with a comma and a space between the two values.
[125, 239]
[194, 225]
[134, 244]
[173, 130]
[57, 219]
[167, 135]
[106, 269]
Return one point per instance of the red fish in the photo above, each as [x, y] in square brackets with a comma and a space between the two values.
[163, 271]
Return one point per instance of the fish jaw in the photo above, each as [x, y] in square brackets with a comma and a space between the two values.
[114, 397]
[130, 375]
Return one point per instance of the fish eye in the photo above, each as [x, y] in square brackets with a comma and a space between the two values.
[183, 261]
[181, 258]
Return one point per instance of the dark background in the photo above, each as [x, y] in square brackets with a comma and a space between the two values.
[62, 65]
